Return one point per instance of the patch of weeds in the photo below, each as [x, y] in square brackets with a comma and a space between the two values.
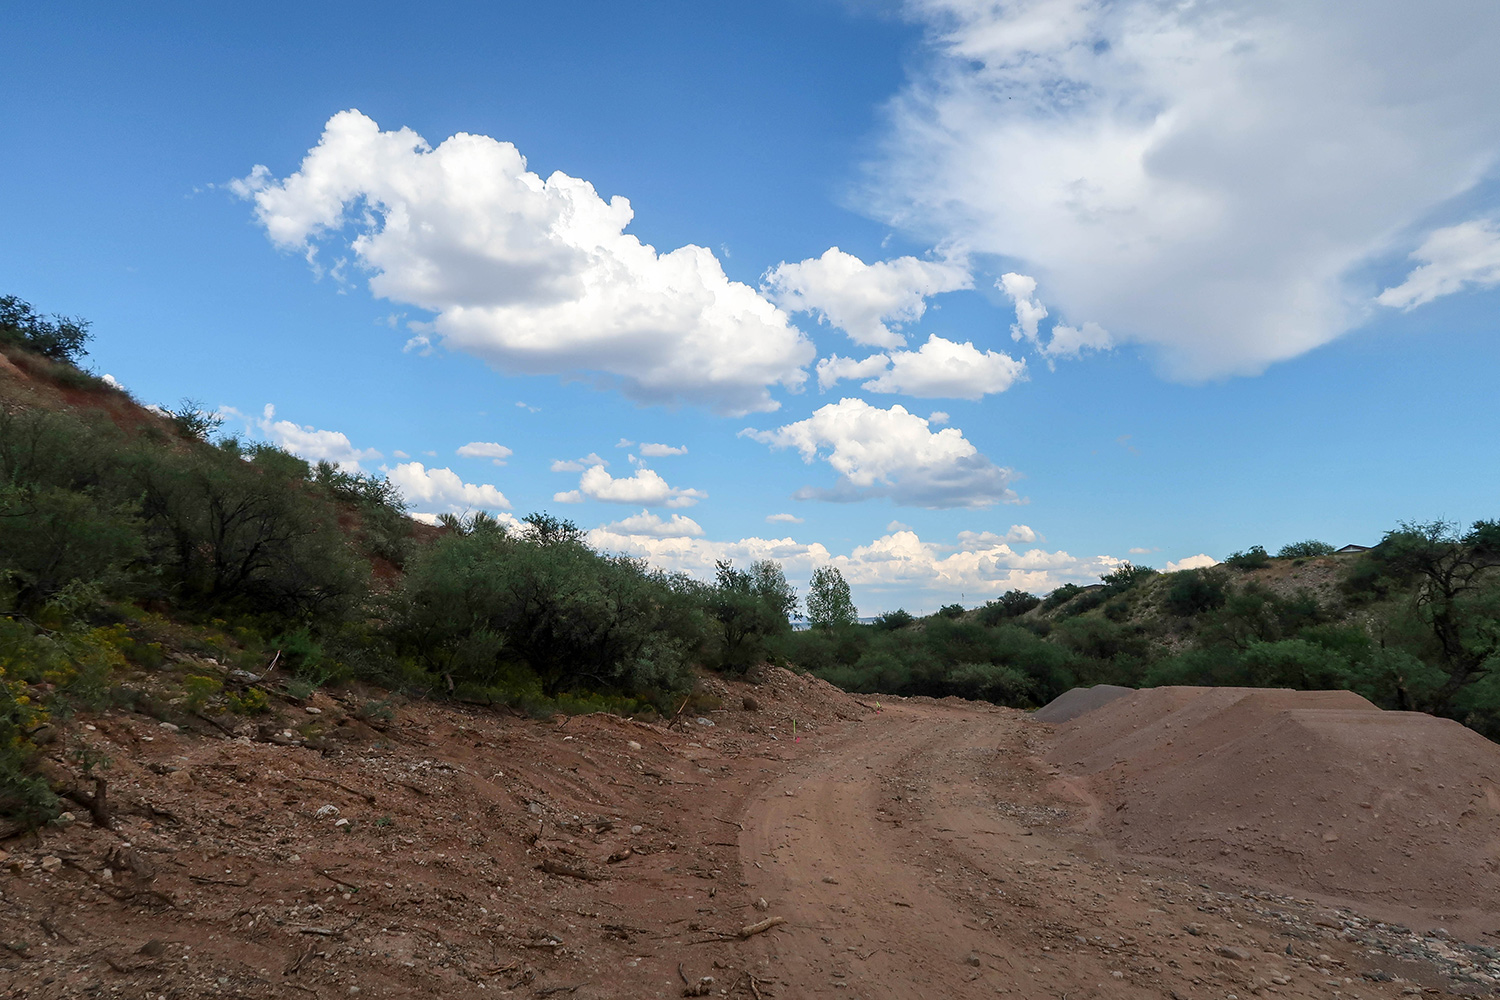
[198, 690]
[249, 702]
[384, 821]
[377, 711]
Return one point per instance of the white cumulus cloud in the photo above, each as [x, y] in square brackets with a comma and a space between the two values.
[1453, 257]
[645, 487]
[1210, 178]
[313, 444]
[496, 453]
[784, 519]
[892, 453]
[647, 523]
[434, 491]
[939, 369]
[864, 300]
[892, 569]
[1199, 561]
[1067, 341]
[533, 275]
[948, 370]
[662, 450]
[577, 464]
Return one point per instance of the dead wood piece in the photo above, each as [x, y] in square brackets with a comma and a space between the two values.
[678, 714]
[321, 931]
[618, 856]
[558, 868]
[205, 880]
[731, 822]
[760, 927]
[97, 804]
[370, 799]
[51, 928]
[215, 723]
[301, 960]
[549, 990]
[413, 788]
[342, 883]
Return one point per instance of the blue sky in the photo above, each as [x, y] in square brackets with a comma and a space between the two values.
[1263, 236]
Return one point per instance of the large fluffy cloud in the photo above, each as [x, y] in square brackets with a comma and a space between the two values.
[646, 488]
[308, 442]
[892, 453]
[864, 300]
[939, 369]
[438, 491]
[1208, 178]
[534, 275]
[652, 525]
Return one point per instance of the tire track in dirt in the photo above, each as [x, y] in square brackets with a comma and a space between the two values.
[929, 852]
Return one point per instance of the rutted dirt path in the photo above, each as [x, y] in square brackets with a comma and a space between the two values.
[924, 850]
[931, 853]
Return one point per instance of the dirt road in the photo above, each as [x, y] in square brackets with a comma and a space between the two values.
[927, 850]
[931, 853]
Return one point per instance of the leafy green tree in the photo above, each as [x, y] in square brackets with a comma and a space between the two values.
[58, 339]
[1454, 601]
[752, 608]
[1255, 557]
[1011, 604]
[829, 604]
[1125, 576]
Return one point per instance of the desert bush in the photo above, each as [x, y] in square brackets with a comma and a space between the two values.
[1309, 549]
[1254, 557]
[1011, 604]
[1195, 591]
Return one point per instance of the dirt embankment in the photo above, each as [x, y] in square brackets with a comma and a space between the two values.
[1394, 813]
[928, 849]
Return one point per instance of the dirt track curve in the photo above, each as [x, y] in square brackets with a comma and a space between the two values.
[929, 850]
[932, 853]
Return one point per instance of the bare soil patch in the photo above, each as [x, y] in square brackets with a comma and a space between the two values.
[928, 849]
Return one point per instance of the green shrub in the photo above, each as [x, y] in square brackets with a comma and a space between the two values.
[1012, 604]
[1254, 557]
[198, 690]
[58, 339]
[892, 620]
[1195, 591]
[1309, 549]
[251, 701]
[1062, 595]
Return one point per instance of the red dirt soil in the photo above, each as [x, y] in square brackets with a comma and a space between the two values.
[1318, 792]
[924, 850]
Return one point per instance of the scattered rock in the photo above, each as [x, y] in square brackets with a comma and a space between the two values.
[973, 959]
[51, 863]
[170, 727]
[310, 710]
[327, 810]
[1229, 951]
[705, 722]
[632, 744]
[751, 704]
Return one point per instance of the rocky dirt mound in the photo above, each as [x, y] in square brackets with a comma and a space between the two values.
[1397, 813]
[1074, 702]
